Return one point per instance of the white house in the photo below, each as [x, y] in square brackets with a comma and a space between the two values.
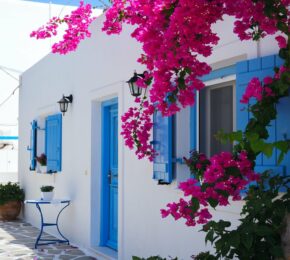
[115, 202]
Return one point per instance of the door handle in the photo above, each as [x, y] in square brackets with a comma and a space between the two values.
[109, 176]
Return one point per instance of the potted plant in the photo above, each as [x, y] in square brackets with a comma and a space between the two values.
[42, 160]
[11, 198]
[46, 192]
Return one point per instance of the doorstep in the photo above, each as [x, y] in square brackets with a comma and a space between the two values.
[104, 253]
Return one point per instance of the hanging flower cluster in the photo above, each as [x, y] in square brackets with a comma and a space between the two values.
[255, 90]
[78, 29]
[136, 125]
[223, 176]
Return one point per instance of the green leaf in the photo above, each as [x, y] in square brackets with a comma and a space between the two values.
[252, 136]
[282, 146]
[268, 149]
[247, 240]
[209, 236]
[277, 251]
[222, 192]
[233, 171]
[263, 230]
[212, 202]
[280, 158]
[136, 258]
[234, 239]
[237, 136]
[195, 204]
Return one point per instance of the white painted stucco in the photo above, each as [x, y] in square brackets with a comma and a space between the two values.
[97, 72]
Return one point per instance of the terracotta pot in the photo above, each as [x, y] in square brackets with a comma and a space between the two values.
[10, 210]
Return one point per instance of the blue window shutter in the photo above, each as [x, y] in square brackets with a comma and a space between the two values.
[33, 145]
[53, 146]
[280, 127]
[162, 143]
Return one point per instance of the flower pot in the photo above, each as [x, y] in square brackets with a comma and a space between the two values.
[10, 210]
[47, 195]
[43, 168]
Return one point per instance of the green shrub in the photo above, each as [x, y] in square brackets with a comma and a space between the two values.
[10, 192]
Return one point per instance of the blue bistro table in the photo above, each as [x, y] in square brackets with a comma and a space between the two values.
[39, 240]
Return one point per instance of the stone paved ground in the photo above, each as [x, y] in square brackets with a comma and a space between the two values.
[17, 242]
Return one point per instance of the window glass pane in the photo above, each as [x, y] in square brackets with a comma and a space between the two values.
[221, 117]
[215, 114]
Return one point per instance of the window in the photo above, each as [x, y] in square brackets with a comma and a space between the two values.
[46, 137]
[216, 113]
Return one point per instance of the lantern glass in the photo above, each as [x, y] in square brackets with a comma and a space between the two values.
[63, 106]
[63, 103]
[135, 90]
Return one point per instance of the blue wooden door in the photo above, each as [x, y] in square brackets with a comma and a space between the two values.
[113, 177]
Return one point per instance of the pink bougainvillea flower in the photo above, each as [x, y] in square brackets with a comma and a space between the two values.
[219, 184]
[282, 42]
[78, 23]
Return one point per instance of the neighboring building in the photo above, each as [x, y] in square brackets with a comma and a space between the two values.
[115, 209]
[17, 53]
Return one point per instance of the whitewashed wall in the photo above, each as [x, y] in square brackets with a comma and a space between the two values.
[97, 72]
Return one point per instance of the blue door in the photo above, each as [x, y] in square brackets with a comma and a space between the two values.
[109, 223]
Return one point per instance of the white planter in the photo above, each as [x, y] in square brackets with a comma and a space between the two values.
[43, 169]
[47, 195]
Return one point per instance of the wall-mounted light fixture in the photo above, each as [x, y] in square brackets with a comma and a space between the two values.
[135, 90]
[63, 103]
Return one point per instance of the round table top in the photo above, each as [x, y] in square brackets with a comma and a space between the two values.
[41, 201]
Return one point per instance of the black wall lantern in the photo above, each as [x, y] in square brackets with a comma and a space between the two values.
[63, 103]
[135, 90]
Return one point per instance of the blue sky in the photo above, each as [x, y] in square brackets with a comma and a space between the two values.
[94, 3]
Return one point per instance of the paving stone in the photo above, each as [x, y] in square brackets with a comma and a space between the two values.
[86, 258]
[17, 241]
[74, 252]
[54, 251]
[65, 257]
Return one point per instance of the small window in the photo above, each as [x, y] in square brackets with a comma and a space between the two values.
[46, 138]
[216, 113]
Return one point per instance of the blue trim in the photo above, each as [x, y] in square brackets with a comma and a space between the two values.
[3, 137]
[105, 196]
[170, 148]
[193, 127]
[33, 145]
[220, 73]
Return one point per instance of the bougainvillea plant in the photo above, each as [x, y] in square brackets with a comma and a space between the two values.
[173, 33]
